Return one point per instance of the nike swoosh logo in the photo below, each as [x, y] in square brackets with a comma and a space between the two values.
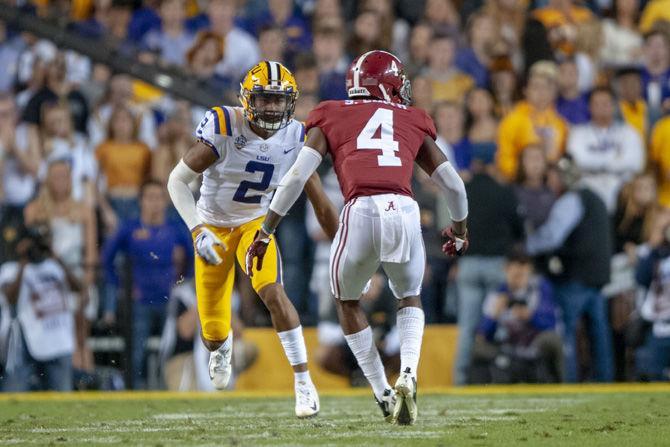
[314, 406]
[287, 151]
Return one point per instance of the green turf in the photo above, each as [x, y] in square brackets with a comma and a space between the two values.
[620, 419]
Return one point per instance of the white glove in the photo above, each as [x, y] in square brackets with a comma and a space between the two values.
[205, 243]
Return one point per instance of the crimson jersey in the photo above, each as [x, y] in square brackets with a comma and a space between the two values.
[373, 143]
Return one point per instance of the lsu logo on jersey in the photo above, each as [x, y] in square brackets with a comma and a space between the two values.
[240, 141]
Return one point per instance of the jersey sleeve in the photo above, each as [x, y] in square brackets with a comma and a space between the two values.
[317, 117]
[431, 131]
[213, 130]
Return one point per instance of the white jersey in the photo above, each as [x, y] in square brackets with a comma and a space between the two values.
[239, 186]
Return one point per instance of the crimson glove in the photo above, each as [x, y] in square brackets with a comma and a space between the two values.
[257, 249]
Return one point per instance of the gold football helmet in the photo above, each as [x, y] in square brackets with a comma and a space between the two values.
[268, 94]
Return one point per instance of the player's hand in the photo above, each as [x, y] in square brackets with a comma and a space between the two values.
[257, 249]
[205, 245]
[456, 245]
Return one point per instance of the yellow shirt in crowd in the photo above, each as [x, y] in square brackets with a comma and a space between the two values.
[635, 115]
[659, 154]
[555, 18]
[124, 165]
[524, 126]
[453, 89]
[656, 10]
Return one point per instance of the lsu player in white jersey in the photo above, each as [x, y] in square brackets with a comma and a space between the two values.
[242, 153]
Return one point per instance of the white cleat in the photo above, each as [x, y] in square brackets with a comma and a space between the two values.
[306, 399]
[405, 412]
[387, 404]
[220, 368]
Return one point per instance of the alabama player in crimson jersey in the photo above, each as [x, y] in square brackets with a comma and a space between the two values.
[374, 139]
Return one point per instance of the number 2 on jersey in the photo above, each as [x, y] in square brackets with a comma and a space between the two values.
[254, 166]
[366, 139]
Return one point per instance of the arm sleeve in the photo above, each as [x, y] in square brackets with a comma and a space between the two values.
[563, 218]
[181, 194]
[446, 177]
[292, 184]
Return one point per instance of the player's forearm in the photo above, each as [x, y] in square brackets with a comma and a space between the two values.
[181, 195]
[324, 210]
[446, 177]
[291, 185]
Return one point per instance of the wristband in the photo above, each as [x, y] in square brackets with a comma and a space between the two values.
[265, 230]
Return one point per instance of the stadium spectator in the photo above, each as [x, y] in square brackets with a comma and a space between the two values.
[588, 44]
[124, 163]
[654, 11]
[202, 59]
[637, 211]
[241, 49]
[621, 36]
[306, 74]
[475, 58]
[394, 30]
[442, 15]
[174, 138]
[481, 269]
[272, 43]
[578, 234]
[419, 48]
[10, 50]
[158, 251]
[632, 106]
[449, 83]
[451, 135]
[331, 62]
[510, 18]
[172, 40]
[20, 161]
[503, 85]
[282, 15]
[422, 93]
[571, 104]
[656, 72]
[367, 34]
[482, 124]
[653, 358]
[37, 285]
[119, 92]
[517, 339]
[59, 141]
[57, 88]
[607, 152]
[659, 159]
[73, 229]
[534, 196]
[561, 18]
[532, 121]
[144, 19]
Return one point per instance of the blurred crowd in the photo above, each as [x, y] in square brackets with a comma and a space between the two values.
[555, 113]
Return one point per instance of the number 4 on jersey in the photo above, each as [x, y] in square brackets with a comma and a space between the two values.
[366, 139]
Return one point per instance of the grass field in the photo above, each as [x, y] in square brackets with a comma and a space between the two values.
[632, 415]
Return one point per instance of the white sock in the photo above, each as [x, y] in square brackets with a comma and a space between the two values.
[410, 321]
[227, 343]
[294, 346]
[363, 346]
